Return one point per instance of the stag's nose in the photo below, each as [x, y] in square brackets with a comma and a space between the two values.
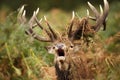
[60, 46]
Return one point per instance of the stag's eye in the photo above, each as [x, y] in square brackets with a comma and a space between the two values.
[71, 47]
[53, 47]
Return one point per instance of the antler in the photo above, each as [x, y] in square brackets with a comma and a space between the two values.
[34, 22]
[100, 18]
[84, 28]
[71, 25]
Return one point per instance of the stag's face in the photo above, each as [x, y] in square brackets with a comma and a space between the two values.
[62, 50]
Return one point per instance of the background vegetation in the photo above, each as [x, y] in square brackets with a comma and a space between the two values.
[22, 57]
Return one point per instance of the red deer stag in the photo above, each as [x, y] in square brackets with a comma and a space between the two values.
[67, 64]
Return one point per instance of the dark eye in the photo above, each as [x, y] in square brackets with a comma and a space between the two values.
[71, 46]
[53, 47]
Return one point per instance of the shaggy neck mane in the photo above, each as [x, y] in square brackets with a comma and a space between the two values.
[62, 74]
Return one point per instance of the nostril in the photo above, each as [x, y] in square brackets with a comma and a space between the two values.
[60, 45]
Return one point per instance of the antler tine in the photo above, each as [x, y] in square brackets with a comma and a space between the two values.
[71, 25]
[93, 9]
[73, 16]
[51, 35]
[21, 15]
[37, 22]
[106, 10]
[31, 21]
[90, 17]
[36, 36]
[102, 19]
[30, 30]
[101, 9]
[24, 13]
[32, 24]
[22, 9]
[88, 14]
[51, 30]
[35, 25]
[48, 33]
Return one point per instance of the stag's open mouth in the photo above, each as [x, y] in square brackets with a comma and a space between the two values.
[60, 52]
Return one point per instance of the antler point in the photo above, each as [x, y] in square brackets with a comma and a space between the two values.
[101, 9]
[45, 18]
[88, 3]
[41, 20]
[24, 12]
[37, 11]
[73, 15]
[87, 12]
[22, 8]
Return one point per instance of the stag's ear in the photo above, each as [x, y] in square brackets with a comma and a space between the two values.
[50, 49]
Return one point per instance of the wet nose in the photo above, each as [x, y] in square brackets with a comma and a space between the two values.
[60, 45]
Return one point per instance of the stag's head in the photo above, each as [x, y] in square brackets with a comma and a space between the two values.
[63, 46]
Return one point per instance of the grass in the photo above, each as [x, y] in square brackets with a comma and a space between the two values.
[22, 57]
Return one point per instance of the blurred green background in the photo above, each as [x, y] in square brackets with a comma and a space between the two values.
[47, 5]
[15, 45]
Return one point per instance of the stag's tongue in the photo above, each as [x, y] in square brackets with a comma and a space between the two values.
[60, 52]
